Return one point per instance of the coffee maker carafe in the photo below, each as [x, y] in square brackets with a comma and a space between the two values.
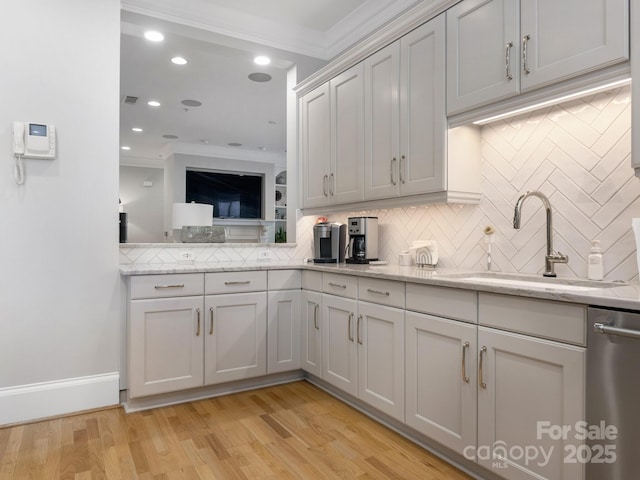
[363, 239]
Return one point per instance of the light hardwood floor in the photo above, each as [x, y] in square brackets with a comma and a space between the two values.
[293, 431]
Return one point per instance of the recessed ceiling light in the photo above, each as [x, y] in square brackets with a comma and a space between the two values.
[264, 149]
[179, 60]
[191, 103]
[169, 136]
[260, 77]
[136, 129]
[234, 144]
[153, 103]
[124, 147]
[262, 60]
[153, 36]
[272, 122]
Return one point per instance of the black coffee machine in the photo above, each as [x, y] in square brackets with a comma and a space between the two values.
[363, 239]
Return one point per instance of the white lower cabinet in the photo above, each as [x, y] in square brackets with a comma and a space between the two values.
[311, 333]
[524, 381]
[380, 340]
[340, 353]
[441, 379]
[165, 345]
[283, 331]
[235, 336]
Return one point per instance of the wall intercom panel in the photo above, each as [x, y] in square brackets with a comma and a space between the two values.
[34, 140]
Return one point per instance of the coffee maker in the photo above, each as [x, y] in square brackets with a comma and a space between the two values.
[329, 242]
[363, 239]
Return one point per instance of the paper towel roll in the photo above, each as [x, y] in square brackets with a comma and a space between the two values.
[191, 214]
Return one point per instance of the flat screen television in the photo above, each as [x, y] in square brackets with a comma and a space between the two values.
[233, 195]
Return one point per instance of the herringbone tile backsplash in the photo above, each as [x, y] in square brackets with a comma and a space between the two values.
[577, 153]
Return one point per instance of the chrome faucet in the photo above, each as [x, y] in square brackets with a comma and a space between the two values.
[551, 257]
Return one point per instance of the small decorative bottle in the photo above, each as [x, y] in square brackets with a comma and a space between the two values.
[596, 267]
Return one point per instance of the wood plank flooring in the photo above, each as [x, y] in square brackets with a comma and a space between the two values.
[292, 431]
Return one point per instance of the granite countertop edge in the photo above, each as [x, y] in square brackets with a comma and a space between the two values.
[625, 296]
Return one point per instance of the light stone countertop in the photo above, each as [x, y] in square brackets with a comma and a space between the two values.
[615, 295]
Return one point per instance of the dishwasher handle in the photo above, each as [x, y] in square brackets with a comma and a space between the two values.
[623, 332]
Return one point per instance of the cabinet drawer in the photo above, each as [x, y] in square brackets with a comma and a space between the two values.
[443, 302]
[341, 285]
[386, 292]
[234, 282]
[565, 322]
[169, 285]
[312, 280]
[284, 279]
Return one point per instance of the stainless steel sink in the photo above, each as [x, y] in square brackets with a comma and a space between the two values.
[531, 282]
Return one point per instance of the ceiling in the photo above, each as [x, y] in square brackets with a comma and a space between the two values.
[219, 39]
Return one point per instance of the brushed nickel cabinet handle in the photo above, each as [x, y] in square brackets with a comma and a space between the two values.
[403, 165]
[332, 186]
[349, 327]
[393, 163]
[198, 316]
[324, 185]
[464, 362]
[337, 285]
[358, 329]
[378, 292]
[177, 285]
[315, 316]
[480, 379]
[508, 60]
[211, 319]
[525, 59]
[245, 282]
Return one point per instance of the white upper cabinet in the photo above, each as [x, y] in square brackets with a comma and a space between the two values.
[482, 53]
[499, 48]
[422, 109]
[347, 136]
[382, 122]
[332, 141]
[594, 33]
[405, 115]
[315, 146]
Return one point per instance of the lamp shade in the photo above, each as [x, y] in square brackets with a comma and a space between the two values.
[191, 214]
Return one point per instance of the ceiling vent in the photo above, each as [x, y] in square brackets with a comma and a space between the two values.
[129, 100]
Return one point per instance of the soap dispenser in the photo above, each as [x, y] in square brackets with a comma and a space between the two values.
[596, 267]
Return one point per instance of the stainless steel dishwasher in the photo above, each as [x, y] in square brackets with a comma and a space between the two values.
[613, 394]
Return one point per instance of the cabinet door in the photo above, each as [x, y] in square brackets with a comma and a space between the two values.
[165, 345]
[382, 122]
[380, 338]
[565, 39]
[347, 136]
[483, 51]
[315, 146]
[235, 336]
[283, 331]
[523, 381]
[340, 362]
[311, 333]
[422, 109]
[441, 379]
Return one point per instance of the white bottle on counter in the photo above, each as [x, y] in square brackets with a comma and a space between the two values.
[596, 267]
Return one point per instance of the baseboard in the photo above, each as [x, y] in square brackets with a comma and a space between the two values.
[48, 399]
[173, 398]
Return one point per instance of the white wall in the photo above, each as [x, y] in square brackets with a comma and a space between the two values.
[59, 281]
[144, 205]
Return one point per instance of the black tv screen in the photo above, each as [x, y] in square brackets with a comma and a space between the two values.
[232, 195]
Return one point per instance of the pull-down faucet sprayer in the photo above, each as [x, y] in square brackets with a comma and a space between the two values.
[551, 258]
